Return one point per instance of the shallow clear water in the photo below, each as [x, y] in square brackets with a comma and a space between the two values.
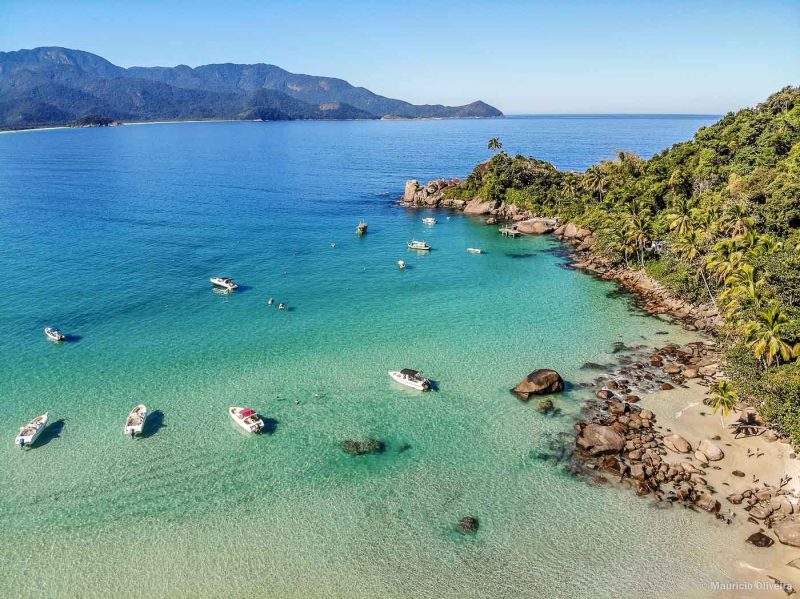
[112, 235]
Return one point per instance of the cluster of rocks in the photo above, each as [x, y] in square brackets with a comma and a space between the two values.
[432, 195]
[620, 438]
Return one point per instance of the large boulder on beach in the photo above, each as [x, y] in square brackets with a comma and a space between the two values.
[598, 439]
[677, 444]
[534, 227]
[788, 530]
[711, 451]
[478, 207]
[539, 382]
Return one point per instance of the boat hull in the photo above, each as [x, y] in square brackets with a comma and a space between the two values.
[255, 426]
[136, 429]
[30, 437]
[417, 385]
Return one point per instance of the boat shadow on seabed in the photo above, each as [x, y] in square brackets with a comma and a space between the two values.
[153, 424]
[51, 432]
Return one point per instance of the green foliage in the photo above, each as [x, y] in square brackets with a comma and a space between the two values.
[726, 208]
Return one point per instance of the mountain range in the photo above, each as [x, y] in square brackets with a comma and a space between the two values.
[58, 86]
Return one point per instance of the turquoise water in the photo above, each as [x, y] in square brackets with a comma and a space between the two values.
[112, 235]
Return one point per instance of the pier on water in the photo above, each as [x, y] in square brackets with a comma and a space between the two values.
[509, 232]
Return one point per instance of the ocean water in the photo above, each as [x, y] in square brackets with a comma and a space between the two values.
[112, 234]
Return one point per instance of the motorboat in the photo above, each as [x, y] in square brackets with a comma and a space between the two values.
[247, 418]
[361, 228]
[224, 282]
[31, 431]
[401, 264]
[429, 220]
[475, 250]
[411, 378]
[281, 306]
[134, 425]
[421, 246]
[53, 334]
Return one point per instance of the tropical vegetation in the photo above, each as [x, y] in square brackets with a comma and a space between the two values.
[716, 219]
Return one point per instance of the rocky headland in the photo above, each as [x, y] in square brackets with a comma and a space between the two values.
[735, 468]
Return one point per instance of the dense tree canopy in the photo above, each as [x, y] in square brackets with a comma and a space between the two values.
[725, 205]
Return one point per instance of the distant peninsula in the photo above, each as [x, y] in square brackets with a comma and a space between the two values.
[54, 86]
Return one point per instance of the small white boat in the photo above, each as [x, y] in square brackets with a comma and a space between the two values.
[411, 378]
[53, 334]
[421, 246]
[134, 425]
[401, 264]
[475, 250]
[429, 220]
[224, 282]
[281, 306]
[247, 418]
[31, 431]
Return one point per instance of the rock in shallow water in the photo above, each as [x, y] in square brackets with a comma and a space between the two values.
[359, 447]
[468, 525]
[599, 439]
[539, 382]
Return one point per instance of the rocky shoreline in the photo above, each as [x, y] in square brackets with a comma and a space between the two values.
[616, 438]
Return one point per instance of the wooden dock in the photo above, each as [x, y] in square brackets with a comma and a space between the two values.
[509, 232]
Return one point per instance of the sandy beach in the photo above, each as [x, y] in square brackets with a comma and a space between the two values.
[682, 411]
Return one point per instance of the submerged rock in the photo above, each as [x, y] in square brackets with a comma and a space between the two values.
[359, 447]
[539, 382]
[468, 525]
[545, 406]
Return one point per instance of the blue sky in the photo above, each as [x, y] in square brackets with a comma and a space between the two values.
[523, 57]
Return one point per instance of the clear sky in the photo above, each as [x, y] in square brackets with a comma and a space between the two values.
[523, 57]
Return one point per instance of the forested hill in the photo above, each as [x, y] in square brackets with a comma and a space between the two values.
[56, 86]
[725, 208]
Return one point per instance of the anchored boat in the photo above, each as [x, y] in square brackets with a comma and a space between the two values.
[31, 431]
[361, 228]
[411, 378]
[134, 425]
[247, 418]
[53, 334]
[401, 264]
[475, 250]
[421, 246]
[429, 220]
[224, 282]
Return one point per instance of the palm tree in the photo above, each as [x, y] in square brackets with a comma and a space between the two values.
[594, 180]
[569, 188]
[764, 336]
[744, 282]
[638, 229]
[723, 399]
[680, 216]
[689, 248]
[495, 144]
[724, 260]
[737, 220]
